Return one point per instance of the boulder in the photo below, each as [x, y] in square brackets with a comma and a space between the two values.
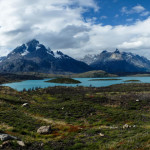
[25, 105]
[101, 134]
[125, 126]
[44, 130]
[6, 137]
[21, 143]
[5, 144]
[134, 126]
[113, 127]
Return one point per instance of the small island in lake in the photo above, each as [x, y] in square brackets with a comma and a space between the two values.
[132, 81]
[64, 80]
[104, 79]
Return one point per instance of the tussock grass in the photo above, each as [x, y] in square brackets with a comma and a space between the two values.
[78, 115]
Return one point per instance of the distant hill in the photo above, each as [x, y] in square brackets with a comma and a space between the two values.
[35, 57]
[7, 77]
[89, 74]
[93, 74]
[118, 62]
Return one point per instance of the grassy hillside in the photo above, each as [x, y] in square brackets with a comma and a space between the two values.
[83, 118]
[7, 77]
[93, 74]
[89, 74]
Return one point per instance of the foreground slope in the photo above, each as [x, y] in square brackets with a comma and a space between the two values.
[35, 57]
[115, 117]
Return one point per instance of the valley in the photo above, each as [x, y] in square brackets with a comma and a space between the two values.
[51, 101]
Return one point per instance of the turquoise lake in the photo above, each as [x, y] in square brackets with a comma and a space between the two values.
[85, 82]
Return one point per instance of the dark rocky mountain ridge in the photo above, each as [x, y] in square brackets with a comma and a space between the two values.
[35, 57]
[117, 62]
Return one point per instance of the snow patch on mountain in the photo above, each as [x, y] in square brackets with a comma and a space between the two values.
[88, 59]
[50, 53]
[38, 47]
[118, 62]
[57, 55]
[25, 53]
[116, 56]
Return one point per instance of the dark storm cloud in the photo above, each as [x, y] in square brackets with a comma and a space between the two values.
[69, 37]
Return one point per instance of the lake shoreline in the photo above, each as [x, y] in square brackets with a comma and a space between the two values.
[29, 84]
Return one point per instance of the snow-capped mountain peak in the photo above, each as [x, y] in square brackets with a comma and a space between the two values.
[35, 57]
[117, 51]
[118, 62]
[116, 56]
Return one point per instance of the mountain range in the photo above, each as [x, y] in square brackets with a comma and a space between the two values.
[35, 57]
[118, 62]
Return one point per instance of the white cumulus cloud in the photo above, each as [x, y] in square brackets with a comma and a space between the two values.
[138, 9]
[60, 26]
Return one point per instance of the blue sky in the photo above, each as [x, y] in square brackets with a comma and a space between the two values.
[77, 27]
[111, 12]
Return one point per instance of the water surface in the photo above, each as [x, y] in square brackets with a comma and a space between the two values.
[29, 84]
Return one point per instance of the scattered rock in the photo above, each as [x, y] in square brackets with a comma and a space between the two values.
[125, 126]
[134, 126]
[5, 144]
[8, 144]
[128, 126]
[21, 143]
[20, 98]
[44, 130]
[113, 127]
[6, 137]
[101, 134]
[25, 105]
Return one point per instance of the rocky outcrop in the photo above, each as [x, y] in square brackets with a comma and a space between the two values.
[25, 105]
[44, 130]
[6, 137]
